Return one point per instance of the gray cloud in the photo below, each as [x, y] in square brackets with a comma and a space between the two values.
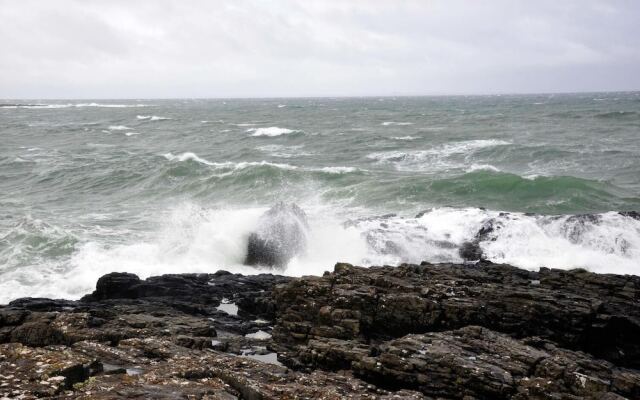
[172, 48]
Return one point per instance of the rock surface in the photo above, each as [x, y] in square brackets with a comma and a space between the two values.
[442, 331]
[280, 235]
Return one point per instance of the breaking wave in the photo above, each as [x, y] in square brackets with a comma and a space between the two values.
[191, 238]
[270, 131]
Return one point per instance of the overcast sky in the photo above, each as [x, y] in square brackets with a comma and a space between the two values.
[236, 48]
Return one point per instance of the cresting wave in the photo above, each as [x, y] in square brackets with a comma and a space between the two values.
[270, 131]
[437, 158]
[188, 156]
[191, 238]
[151, 118]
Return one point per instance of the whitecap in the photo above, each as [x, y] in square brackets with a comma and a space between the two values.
[338, 170]
[404, 137]
[119, 128]
[187, 156]
[438, 158]
[482, 167]
[392, 123]
[270, 131]
[132, 133]
[152, 117]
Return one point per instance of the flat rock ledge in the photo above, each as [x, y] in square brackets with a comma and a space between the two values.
[429, 331]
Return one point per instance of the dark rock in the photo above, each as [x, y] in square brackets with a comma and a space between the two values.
[630, 214]
[281, 234]
[486, 331]
[116, 285]
[470, 251]
[480, 363]
[599, 314]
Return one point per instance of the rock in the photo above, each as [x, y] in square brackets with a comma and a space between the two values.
[480, 363]
[281, 234]
[630, 214]
[116, 285]
[598, 314]
[483, 331]
[470, 251]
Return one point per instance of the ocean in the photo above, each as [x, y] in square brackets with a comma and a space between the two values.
[151, 187]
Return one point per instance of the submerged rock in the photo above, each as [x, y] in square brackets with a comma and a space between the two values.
[281, 235]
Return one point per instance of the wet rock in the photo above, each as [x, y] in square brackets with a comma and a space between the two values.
[630, 214]
[470, 251]
[42, 372]
[483, 331]
[598, 314]
[281, 234]
[480, 363]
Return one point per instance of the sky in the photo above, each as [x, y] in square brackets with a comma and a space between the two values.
[251, 48]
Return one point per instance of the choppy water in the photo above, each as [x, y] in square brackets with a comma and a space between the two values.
[159, 186]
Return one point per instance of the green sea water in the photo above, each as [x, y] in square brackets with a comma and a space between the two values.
[156, 186]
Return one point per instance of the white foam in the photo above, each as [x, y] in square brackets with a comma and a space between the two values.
[132, 133]
[190, 238]
[610, 245]
[482, 167]
[435, 159]
[391, 123]
[259, 335]
[189, 156]
[404, 137]
[152, 117]
[119, 128]
[338, 170]
[270, 131]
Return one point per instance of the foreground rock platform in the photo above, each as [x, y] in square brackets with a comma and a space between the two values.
[430, 331]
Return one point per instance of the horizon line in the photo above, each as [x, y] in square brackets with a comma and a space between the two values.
[331, 97]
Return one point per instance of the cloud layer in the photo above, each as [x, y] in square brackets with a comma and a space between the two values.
[248, 48]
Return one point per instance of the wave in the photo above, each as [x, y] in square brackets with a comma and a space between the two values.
[188, 156]
[482, 167]
[119, 128]
[270, 131]
[391, 123]
[436, 158]
[549, 194]
[338, 170]
[191, 238]
[617, 115]
[608, 242]
[132, 133]
[404, 137]
[152, 118]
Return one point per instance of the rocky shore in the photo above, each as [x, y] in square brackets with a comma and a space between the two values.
[430, 331]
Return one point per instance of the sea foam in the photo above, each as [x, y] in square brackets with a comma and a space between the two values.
[270, 131]
[192, 238]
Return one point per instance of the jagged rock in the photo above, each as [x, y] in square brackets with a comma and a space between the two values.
[281, 234]
[478, 362]
[470, 251]
[599, 314]
[482, 331]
